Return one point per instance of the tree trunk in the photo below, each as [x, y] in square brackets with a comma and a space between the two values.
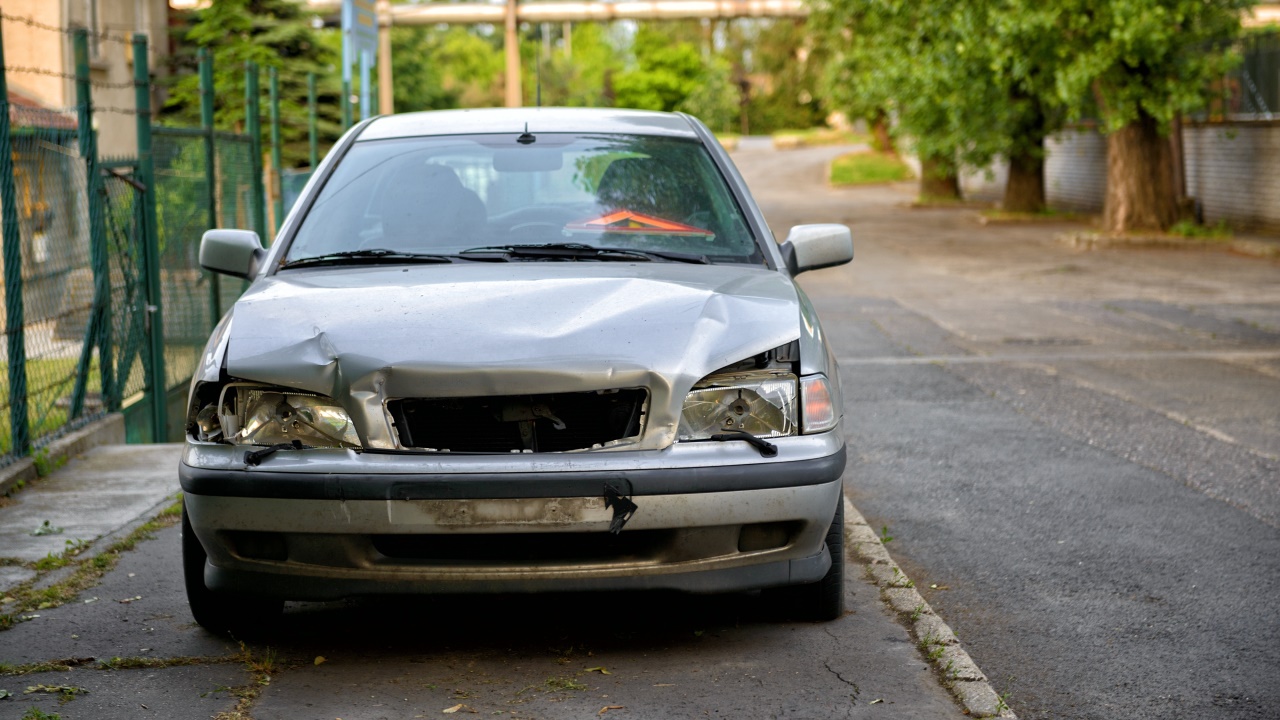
[1024, 191]
[882, 140]
[1140, 193]
[938, 179]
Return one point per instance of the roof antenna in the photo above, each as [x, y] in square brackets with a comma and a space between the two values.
[526, 138]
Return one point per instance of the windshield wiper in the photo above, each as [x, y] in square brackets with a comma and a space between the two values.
[579, 251]
[371, 256]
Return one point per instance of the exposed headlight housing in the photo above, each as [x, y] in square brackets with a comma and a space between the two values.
[251, 414]
[760, 402]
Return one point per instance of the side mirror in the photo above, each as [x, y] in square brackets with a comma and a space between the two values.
[809, 247]
[231, 252]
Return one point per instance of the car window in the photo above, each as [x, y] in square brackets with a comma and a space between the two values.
[449, 194]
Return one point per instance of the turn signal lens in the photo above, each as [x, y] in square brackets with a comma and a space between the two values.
[818, 411]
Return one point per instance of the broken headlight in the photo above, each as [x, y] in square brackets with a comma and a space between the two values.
[760, 402]
[248, 414]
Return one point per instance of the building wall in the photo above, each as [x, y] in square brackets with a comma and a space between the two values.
[1233, 172]
[26, 46]
[35, 48]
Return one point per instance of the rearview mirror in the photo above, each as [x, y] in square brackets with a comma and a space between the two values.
[528, 159]
[231, 252]
[810, 247]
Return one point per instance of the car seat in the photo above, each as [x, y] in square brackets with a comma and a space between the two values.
[425, 207]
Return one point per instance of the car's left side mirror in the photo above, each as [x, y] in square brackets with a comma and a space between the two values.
[231, 252]
[809, 247]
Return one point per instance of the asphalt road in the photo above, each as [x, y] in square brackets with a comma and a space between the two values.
[1077, 454]
[1079, 450]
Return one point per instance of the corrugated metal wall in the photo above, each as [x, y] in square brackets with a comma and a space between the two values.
[1233, 170]
[1076, 171]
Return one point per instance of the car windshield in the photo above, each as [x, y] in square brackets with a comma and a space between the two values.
[452, 194]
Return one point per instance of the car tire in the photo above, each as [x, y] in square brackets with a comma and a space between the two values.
[823, 600]
[217, 612]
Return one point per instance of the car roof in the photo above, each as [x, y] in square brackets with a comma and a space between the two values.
[535, 120]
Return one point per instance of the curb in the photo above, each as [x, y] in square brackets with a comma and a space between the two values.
[1252, 247]
[934, 638]
[107, 431]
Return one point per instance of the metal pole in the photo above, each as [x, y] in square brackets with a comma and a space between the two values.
[511, 46]
[386, 94]
[13, 315]
[365, 91]
[151, 242]
[98, 331]
[277, 173]
[312, 137]
[254, 127]
[346, 100]
[210, 172]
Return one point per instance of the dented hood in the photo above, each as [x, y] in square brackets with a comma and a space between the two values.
[365, 335]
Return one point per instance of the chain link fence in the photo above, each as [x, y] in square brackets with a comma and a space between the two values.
[81, 271]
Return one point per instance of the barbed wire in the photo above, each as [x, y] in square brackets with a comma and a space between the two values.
[70, 76]
[33, 23]
[122, 111]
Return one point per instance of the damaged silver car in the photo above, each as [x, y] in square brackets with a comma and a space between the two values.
[516, 350]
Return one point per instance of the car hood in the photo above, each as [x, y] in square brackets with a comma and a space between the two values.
[365, 335]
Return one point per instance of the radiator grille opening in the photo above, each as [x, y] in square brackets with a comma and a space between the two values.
[553, 422]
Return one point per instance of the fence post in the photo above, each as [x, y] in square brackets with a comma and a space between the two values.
[99, 330]
[312, 138]
[253, 125]
[13, 311]
[210, 171]
[277, 173]
[151, 243]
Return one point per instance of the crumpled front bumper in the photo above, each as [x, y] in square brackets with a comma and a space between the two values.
[710, 517]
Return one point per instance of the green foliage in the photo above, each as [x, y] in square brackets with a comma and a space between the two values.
[583, 76]
[272, 33]
[786, 73]
[437, 68]
[665, 73]
[1144, 57]
[1190, 229]
[868, 168]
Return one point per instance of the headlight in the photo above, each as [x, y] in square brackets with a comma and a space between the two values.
[248, 414]
[760, 402]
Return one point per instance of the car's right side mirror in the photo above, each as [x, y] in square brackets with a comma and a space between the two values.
[231, 252]
[809, 247]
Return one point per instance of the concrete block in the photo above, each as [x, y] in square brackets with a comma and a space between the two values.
[902, 600]
[980, 700]
[956, 664]
[933, 628]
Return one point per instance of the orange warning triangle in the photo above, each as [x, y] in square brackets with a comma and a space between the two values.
[631, 221]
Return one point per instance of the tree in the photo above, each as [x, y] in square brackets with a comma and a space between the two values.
[915, 61]
[437, 69]
[1146, 62]
[671, 76]
[272, 33]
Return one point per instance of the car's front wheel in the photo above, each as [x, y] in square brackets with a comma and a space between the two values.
[822, 600]
[215, 611]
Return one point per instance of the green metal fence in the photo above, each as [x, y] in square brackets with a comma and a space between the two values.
[106, 306]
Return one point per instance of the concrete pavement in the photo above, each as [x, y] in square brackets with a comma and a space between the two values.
[93, 495]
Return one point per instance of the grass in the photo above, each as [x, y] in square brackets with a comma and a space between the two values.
[818, 136]
[868, 168]
[1189, 229]
[51, 380]
[1045, 215]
